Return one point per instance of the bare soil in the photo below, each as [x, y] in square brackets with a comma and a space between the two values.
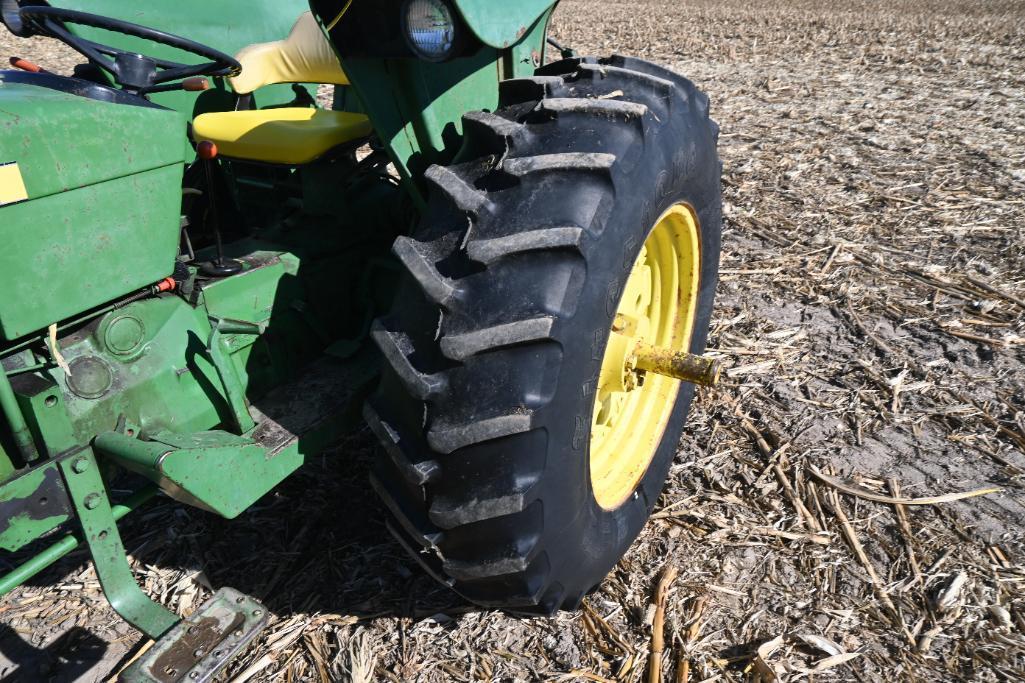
[872, 316]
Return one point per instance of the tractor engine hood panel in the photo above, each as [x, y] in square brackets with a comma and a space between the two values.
[62, 141]
[91, 202]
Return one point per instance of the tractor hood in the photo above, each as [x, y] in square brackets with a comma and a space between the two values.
[62, 141]
[90, 197]
[501, 24]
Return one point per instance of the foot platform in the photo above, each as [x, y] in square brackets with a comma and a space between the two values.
[199, 646]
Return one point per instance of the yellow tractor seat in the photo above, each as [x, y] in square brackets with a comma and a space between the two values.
[289, 135]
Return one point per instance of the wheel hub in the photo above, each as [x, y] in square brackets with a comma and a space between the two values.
[647, 356]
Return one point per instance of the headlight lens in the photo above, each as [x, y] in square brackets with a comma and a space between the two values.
[430, 29]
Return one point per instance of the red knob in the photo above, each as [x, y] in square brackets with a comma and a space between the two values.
[206, 150]
[195, 84]
[25, 65]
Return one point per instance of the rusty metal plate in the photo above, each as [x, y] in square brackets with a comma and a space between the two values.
[199, 646]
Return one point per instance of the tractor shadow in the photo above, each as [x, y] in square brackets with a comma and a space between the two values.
[68, 658]
[318, 544]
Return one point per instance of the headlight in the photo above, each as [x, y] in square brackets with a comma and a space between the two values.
[430, 28]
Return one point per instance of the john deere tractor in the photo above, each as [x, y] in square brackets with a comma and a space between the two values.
[501, 261]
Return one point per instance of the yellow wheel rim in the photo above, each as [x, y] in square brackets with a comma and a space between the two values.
[658, 306]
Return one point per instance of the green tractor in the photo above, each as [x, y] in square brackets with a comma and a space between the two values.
[504, 267]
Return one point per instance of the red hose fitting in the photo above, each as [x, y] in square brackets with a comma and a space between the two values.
[165, 285]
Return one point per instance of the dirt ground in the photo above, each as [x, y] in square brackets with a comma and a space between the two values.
[871, 313]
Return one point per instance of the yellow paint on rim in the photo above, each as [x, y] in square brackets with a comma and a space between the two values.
[658, 306]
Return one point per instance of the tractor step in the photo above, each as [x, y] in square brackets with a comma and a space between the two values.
[199, 646]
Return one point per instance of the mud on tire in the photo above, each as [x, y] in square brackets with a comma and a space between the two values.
[493, 347]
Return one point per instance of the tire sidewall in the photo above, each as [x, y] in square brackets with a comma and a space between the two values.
[584, 541]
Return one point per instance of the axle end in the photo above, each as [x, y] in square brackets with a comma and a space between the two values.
[681, 365]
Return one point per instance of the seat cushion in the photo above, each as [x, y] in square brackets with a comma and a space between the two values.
[290, 135]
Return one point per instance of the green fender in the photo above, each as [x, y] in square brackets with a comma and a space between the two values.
[501, 24]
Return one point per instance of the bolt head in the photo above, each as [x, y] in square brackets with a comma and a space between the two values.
[92, 501]
[80, 465]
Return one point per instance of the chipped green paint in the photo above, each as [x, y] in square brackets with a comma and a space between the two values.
[31, 505]
[65, 545]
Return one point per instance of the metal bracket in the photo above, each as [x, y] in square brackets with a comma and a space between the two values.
[92, 506]
[220, 355]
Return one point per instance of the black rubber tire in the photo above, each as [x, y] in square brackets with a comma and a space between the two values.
[493, 347]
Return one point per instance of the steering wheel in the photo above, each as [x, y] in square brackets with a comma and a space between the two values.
[132, 71]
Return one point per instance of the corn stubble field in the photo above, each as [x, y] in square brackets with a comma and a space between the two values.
[871, 313]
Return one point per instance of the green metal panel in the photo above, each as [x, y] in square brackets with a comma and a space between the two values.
[226, 25]
[62, 141]
[251, 296]
[156, 353]
[69, 252]
[31, 505]
[416, 107]
[101, 219]
[217, 471]
[502, 24]
[161, 378]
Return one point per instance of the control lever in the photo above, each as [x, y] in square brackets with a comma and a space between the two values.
[220, 266]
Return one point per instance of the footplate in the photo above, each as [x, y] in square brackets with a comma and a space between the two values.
[198, 647]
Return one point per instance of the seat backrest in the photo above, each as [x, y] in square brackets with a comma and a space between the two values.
[305, 56]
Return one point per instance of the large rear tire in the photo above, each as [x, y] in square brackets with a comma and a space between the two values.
[494, 349]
